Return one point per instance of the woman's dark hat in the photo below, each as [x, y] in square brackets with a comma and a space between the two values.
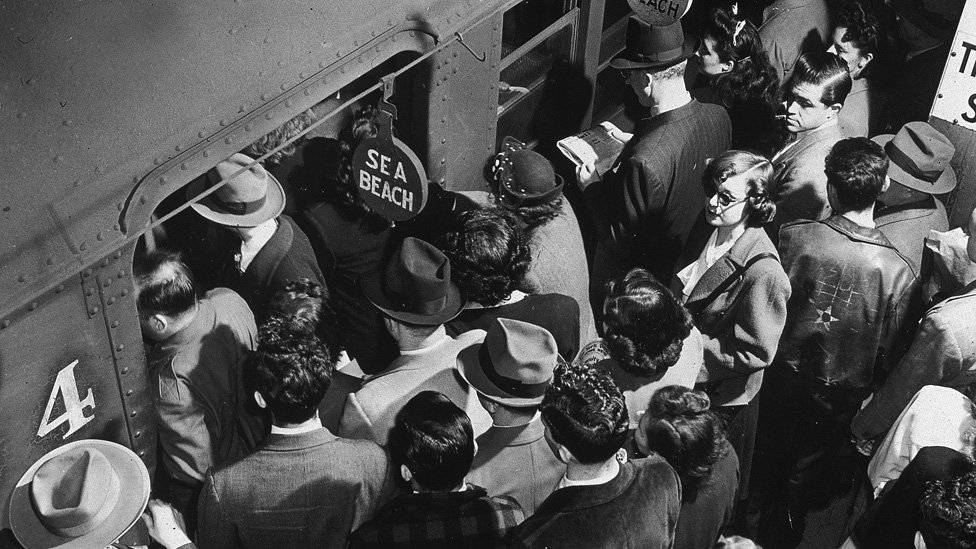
[84, 494]
[415, 287]
[654, 46]
[514, 364]
[247, 200]
[937, 18]
[919, 158]
[525, 179]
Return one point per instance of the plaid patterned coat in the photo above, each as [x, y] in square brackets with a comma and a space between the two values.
[467, 519]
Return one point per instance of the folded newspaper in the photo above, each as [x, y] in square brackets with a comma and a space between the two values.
[598, 145]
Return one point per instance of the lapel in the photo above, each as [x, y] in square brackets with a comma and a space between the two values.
[266, 262]
[725, 267]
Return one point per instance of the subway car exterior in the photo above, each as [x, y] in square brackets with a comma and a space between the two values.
[109, 107]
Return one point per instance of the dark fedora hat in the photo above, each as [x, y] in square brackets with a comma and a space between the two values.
[514, 364]
[415, 287]
[937, 18]
[84, 494]
[526, 178]
[650, 46]
[247, 200]
[919, 158]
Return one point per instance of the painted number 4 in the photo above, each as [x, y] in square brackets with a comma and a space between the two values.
[74, 407]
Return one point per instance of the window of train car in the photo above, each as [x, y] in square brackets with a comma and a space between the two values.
[546, 56]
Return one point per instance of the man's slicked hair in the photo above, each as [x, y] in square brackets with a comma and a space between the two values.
[433, 437]
[585, 412]
[856, 168]
[291, 371]
[821, 68]
[164, 284]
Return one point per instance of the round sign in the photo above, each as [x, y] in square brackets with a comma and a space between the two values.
[660, 12]
[390, 178]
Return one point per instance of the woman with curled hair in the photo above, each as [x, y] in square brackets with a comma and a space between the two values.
[731, 281]
[490, 258]
[648, 340]
[351, 241]
[740, 78]
[679, 426]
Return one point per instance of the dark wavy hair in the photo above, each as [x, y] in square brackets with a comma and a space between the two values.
[856, 168]
[821, 68]
[585, 412]
[753, 78]
[862, 28]
[279, 135]
[681, 428]
[434, 439]
[536, 216]
[489, 254]
[761, 208]
[344, 191]
[304, 306]
[291, 371]
[947, 512]
[645, 325]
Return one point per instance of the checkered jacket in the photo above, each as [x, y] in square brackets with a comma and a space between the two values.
[468, 519]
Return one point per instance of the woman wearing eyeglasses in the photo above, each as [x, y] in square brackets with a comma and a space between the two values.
[731, 281]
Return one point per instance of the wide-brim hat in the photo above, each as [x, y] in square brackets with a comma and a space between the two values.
[919, 157]
[249, 199]
[514, 364]
[938, 18]
[651, 46]
[415, 286]
[121, 508]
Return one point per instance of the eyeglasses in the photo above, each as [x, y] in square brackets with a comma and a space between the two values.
[725, 199]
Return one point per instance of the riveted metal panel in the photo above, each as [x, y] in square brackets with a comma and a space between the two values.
[463, 103]
[95, 96]
[69, 350]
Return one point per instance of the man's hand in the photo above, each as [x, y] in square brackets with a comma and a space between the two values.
[864, 447]
[586, 175]
[165, 524]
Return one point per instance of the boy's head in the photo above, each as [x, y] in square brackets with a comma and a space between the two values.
[857, 173]
[433, 443]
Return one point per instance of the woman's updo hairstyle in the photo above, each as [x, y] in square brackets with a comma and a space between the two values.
[681, 427]
[738, 42]
[645, 325]
[489, 254]
[757, 170]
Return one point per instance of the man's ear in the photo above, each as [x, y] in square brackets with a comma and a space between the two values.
[835, 108]
[159, 322]
[406, 473]
[260, 400]
[864, 61]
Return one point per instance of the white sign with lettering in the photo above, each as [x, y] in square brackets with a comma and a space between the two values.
[956, 100]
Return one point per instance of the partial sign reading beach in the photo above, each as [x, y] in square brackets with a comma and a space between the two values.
[390, 178]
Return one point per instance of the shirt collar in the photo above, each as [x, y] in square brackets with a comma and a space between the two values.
[611, 474]
[291, 431]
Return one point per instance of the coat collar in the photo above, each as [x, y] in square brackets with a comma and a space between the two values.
[728, 264]
[287, 443]
[573, 498]
[828, 132]
[515, 436]
[886, 215]
[856, 232]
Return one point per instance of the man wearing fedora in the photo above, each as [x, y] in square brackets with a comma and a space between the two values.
[530, 188]
[416, 295]
[919, 169]
[510, 371]
[273, 249]
[648, 201]
[926, 28]
[942, 353]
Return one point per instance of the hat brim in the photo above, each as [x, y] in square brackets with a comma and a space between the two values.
[628, 61]
[274, 204]
[906, 9]
[372, 286]
[945, 183]
[470, 368]
[513, 201]
[133, 497]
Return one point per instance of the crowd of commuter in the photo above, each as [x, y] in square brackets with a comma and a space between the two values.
[757, 307]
